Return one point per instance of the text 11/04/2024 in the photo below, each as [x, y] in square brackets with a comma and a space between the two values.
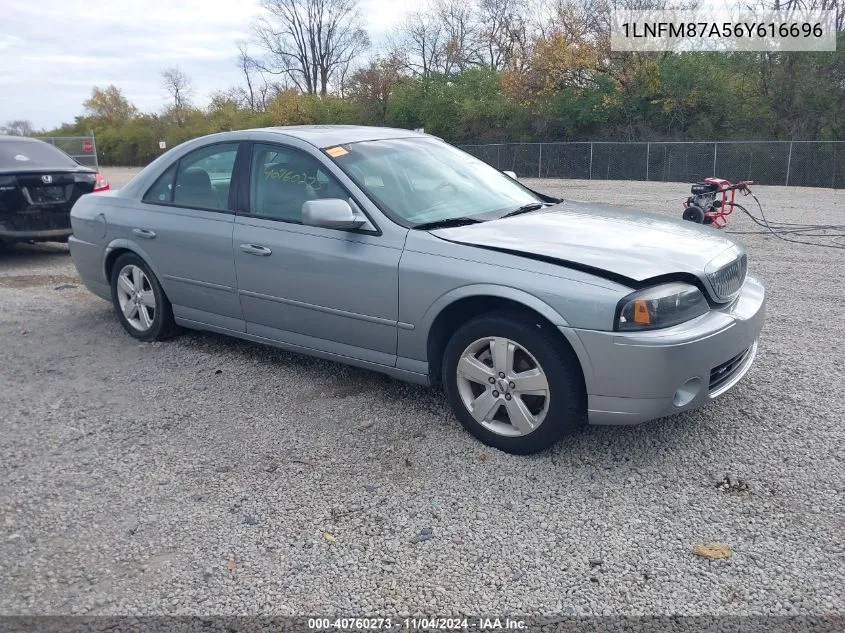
[417, 624]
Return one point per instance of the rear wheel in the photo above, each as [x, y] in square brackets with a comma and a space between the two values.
[141, 305]
[513, 384]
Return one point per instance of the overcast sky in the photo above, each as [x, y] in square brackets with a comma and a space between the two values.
[52, 52]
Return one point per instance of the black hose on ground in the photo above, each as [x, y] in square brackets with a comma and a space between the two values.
[782, 230]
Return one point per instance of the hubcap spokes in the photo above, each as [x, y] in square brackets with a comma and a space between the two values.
[136, 298]
[503, 386]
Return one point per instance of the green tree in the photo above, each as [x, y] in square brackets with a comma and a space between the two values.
[108, 106]
[372, 87]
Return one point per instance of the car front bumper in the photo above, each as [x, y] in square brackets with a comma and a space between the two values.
[632, 377]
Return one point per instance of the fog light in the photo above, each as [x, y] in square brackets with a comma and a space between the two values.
[687, 392]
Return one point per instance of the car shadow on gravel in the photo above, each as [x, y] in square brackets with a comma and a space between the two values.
[345, 379]
[609, 446]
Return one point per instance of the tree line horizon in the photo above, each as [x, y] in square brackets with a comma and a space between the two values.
[483, 71]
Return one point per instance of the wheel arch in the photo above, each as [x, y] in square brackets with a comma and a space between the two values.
[455, 308]
[118, 247]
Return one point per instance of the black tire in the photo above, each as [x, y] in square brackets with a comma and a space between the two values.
[567, 398]
[163, 326]
[694, 213]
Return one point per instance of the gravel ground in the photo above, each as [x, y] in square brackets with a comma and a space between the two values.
[208, 475]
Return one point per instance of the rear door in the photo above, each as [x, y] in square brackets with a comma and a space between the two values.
[331, 290]
[184, 225]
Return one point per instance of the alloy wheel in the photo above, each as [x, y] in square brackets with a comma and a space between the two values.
[136, 297]
[503, 386]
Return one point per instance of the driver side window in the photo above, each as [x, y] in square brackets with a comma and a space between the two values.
[283, 179]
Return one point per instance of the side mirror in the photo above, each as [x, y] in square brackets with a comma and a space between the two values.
[331, 213]
[510, 174]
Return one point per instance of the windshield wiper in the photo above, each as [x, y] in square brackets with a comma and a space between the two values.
[527, 208]
[448, 222]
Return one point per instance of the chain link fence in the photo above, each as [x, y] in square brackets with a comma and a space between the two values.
[83, 149]
[794, 163]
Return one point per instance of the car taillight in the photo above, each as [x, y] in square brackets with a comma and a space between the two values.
[100, 183]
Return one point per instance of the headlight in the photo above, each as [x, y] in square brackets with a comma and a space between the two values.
[659, 307]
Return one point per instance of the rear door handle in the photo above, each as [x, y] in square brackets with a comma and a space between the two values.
[144, 233]
[255, 249]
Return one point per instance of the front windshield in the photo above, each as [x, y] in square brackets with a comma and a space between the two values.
[422, 180]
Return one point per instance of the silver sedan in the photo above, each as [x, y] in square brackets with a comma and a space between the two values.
[394, 251]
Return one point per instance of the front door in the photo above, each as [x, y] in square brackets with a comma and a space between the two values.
[325, 289]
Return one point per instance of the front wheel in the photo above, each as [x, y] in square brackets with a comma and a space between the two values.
[140, 303]
[512, 383]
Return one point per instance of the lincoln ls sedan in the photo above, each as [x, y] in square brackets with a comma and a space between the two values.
[394, 251]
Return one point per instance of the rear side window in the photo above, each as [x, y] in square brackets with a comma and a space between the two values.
[200, 179]
[162, 189]
[32, 154]
[204, 177]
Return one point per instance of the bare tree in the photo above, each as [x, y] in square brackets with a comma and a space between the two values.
[420, 43]
[312, 42]
[178, 85]
[503, 33]
[460, 26]
[18, 127]
[256, 90]
[791, 7]
[453, 35]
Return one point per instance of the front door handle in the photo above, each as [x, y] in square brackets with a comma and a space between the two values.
[144, 233]
[255, 249]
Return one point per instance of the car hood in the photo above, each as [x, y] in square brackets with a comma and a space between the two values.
[631, 244]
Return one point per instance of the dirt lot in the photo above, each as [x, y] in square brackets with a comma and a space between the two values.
[207, 475]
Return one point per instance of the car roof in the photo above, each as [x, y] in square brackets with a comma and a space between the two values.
[329, 135]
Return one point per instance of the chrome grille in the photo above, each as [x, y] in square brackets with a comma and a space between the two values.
[727, 281]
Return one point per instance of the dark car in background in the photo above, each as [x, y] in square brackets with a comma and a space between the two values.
[39, 184]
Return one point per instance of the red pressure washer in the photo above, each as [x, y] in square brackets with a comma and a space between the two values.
[705, 206]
